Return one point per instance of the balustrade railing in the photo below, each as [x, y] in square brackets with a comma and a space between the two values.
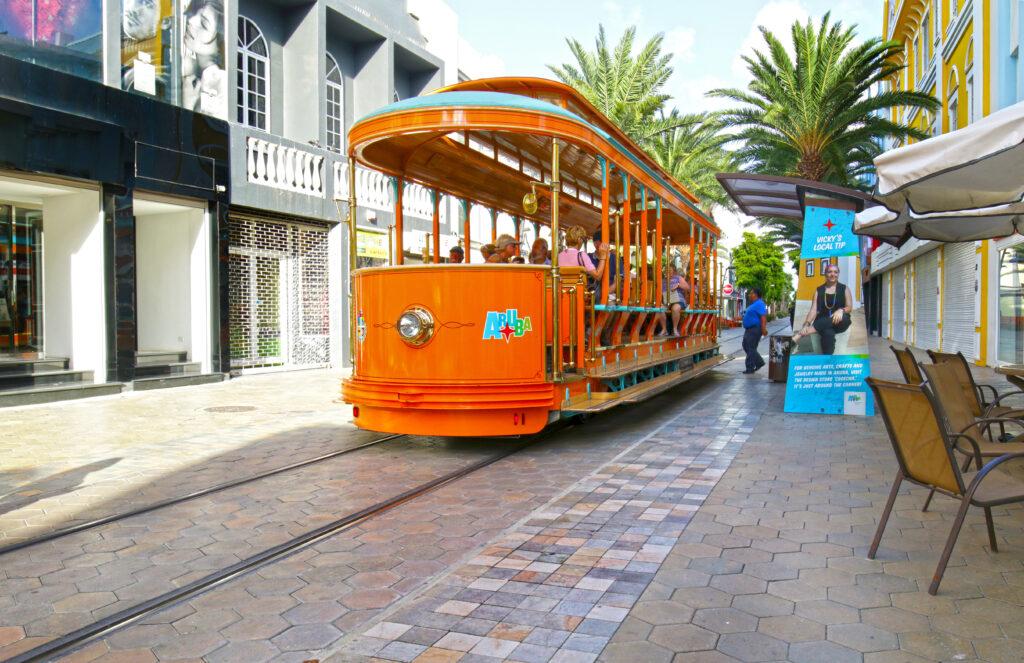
[375, 191]
[284, 167]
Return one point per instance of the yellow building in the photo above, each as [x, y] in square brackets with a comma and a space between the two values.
[930, 295]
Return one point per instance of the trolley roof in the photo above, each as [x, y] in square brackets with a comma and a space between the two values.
[487, 139]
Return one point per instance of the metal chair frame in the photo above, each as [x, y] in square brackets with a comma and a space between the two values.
[965, 493]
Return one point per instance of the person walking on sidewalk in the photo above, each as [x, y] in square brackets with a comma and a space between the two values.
[755, 325]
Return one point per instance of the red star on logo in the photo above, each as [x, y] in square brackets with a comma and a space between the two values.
[507, 332]
[829, 224]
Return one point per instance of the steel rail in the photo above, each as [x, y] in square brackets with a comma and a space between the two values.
[81, 527]
[133, 614]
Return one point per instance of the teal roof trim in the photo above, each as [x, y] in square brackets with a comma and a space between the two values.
[504, 100]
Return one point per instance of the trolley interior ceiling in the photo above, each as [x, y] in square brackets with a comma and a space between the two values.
[490, 146]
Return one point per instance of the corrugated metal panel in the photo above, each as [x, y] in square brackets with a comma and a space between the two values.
[926, 316]
[958, 295]
[899, 298]
[885, 305]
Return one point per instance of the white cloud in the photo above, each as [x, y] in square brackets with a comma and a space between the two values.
[616, 15]
[476, 64]
[680, 43]
[778, 17]
[688, 92]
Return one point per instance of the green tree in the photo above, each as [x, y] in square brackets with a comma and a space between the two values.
[813, 116]
[625, 87]
[759, 264]
[693, 153]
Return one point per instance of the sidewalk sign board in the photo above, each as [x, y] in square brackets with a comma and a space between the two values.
[833, 383]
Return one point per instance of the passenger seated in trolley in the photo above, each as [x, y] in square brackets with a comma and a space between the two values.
[539, 253]
[455, 254]
[487, 250]
[505, 249]
[678, 288]
[574, 256]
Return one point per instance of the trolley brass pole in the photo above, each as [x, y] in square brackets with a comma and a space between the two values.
[352, 318]
[518, 224]
[717, 288]
[435, 199]
[399, 185]
[494, 225]
[641, 247]
[634, 291]
[556, 279]
[465, 207]
[604, 231]
[627, 205]
[618, 259]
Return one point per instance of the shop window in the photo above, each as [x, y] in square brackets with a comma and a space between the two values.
[66, 35]
[952, 105]
[148, 34]
[335, 96]
[253, 75]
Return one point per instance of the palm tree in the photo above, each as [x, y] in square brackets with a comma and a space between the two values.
[814, 117]
[693, 153]
[626, 88]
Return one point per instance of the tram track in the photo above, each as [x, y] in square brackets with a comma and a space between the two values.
[180, 499]
[101, 628]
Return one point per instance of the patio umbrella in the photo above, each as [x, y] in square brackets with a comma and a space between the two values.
[961, 186]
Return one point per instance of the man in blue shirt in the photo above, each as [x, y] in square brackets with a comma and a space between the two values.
[755, 325]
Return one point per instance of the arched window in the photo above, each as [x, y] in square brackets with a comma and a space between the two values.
[334, 93]
[952, 101]
[253, 75]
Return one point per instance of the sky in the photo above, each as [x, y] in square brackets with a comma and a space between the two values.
[705, 37]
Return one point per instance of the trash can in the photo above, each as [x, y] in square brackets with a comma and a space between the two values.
[778, 357]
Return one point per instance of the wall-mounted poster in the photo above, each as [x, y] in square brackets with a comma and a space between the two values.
[203, 53]
[147, 43]
[829, 359]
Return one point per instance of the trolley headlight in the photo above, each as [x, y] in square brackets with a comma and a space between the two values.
[415, 326]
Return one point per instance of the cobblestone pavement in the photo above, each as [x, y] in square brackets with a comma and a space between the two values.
[704, 525]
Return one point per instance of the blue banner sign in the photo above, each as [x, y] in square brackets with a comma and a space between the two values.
[829, 360]
[828, 233]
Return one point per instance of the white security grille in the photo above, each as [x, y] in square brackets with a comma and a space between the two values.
[926, 318]
[278, 294]
[885, 304]
[959, 290]
[899, 299]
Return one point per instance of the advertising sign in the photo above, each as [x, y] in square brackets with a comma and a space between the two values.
[829, 359]
[203, 75]
[147, 42]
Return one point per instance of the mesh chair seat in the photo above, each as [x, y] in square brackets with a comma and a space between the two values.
[996, 488]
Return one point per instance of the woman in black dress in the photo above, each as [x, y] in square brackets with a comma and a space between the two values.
[830, 312]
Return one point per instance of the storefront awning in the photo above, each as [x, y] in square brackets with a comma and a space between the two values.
[961, 186]
[783, 197]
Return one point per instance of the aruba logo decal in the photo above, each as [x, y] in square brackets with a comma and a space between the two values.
[506, 324]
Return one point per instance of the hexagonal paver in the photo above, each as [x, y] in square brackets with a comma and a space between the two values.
[307, 636]
[753, 647]
[862, 637]
[763, 605]
[702, 597]
[790, 628]
[192, 645]
[630, 652]
[739, 583]
[937, 646]
[683, 637]
[860, 597]
[1000, 650]
[262, 627]
[364, 599]
[725, 620]
[796, 590]
[817, 652]
[373, 579]
[315, 612]
[827, 612]
[250, 652]
[895, 620]
[662, 612]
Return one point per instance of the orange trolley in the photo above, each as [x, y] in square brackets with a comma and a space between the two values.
[506, 349]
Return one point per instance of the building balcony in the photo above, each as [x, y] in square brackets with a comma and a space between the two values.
[375, 190]
[271, 163]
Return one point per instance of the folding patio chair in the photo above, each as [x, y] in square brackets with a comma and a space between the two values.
[944, 385]
[974, 392]
[924, 449]
[908, 365]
